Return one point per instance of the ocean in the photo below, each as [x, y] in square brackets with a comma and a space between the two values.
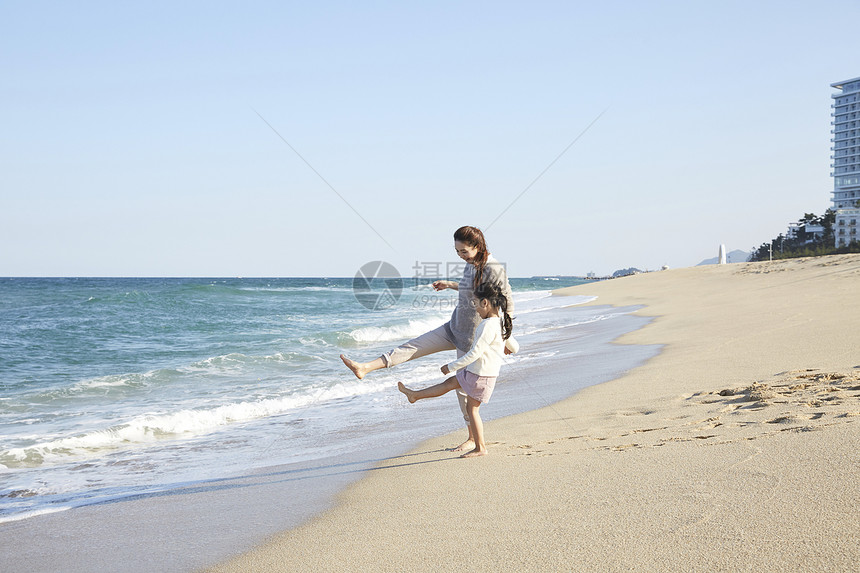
[112, 388]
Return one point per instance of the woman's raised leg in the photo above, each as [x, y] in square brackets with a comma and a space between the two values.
[431, 342]
[362, 369]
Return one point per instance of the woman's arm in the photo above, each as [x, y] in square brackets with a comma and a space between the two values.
[442, 285]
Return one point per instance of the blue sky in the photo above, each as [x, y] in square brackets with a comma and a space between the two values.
[131, 144]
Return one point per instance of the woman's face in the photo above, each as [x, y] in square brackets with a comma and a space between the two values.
[465, 252]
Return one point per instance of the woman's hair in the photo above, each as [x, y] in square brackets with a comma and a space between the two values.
[473, 237]
[497, 298]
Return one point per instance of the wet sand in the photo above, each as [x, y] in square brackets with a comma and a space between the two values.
[734, 449]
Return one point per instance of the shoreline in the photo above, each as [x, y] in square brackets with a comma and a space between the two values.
[730, 449]
[195, 524]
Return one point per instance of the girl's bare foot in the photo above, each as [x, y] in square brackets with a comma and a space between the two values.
[474, 453]
[357, 369]
[410, 394]
[467, 445]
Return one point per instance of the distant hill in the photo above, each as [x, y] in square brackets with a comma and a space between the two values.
[626, 272]
[736, 256]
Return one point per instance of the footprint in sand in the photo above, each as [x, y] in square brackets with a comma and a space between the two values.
[709, 424]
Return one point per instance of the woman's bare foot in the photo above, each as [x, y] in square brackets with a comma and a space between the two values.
[467, 445]
[410, 394]
[474, 453]
[357, 368]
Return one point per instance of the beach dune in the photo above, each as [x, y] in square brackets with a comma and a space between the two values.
[734, 449]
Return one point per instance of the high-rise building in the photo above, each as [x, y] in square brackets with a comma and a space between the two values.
[846, 160]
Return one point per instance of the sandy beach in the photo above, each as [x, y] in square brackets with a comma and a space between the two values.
[735, 449]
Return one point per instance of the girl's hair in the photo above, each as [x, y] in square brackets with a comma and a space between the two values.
[473, 237]
[497, 298]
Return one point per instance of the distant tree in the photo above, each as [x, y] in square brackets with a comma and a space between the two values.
[828, 221]
[804, 244]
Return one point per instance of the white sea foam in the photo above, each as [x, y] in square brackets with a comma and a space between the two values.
[236, 361]
[410, 329]
[186, 423]
[532, 356]
[34, 513]
[327, 289]
[527, 328]
[314, 341]
[107, 382]
[537, 301]
[121, 380]
[525, 303]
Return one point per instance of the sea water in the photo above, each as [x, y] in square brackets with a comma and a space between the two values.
[112, 388]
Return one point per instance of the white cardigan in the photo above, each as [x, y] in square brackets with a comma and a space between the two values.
[488, 347]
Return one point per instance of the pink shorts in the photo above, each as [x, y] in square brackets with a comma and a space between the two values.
[479, 388]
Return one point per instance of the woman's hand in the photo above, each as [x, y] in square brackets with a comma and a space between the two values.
[442, 285]
[445, 369]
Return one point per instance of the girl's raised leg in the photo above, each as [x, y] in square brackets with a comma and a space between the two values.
[431, 391]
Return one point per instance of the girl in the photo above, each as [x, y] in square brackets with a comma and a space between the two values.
[478, 368]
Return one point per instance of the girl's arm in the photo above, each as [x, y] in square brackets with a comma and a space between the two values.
[511, 345]
[483, 337]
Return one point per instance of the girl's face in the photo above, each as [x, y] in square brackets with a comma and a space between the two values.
[464, 251]
[484, 308]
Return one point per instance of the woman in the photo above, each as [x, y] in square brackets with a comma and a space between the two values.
[456, 334]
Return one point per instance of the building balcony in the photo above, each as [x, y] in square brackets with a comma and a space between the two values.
[836, 114]
[854, 164]
[846, 120]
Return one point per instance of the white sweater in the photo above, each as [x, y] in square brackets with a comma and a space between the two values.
[488, 347]
[465, 319]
